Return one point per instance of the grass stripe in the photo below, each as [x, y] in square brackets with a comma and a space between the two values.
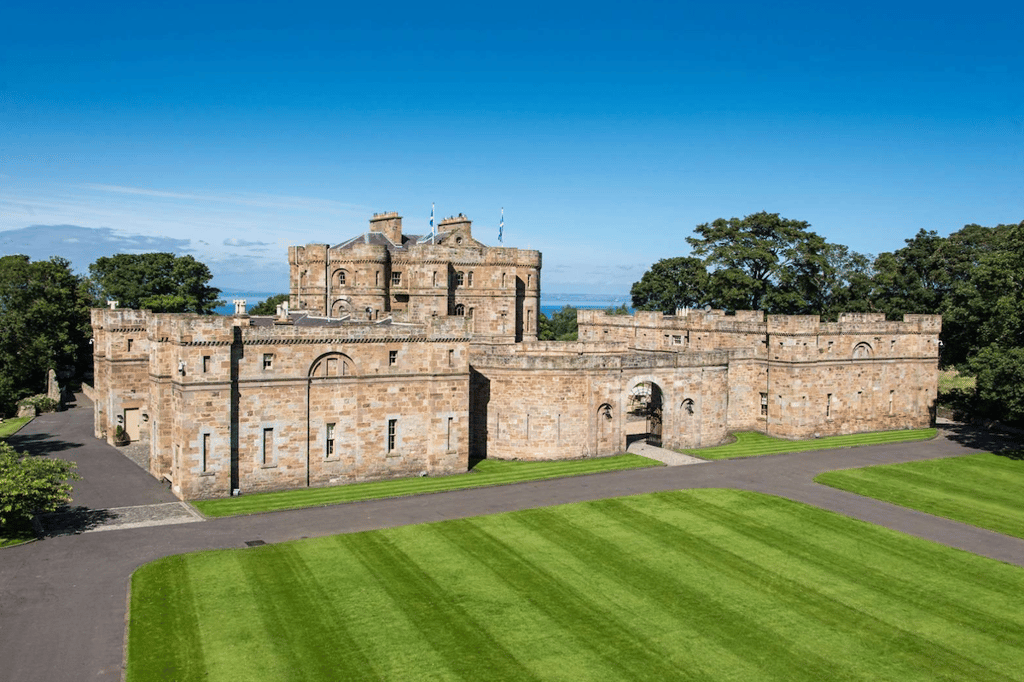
[722, 617]
[299, 617]
[699, 584]
[981, 490]
[919, 652]
[573, 611]
[449, 628]
[162, 600]
[754, 444]
[485, 473]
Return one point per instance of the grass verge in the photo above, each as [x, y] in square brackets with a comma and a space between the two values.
[696, 584]
[754, 444]
[487, 472]
[12, 426]
[982, 490]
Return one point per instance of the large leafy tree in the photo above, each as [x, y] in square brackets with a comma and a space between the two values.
[161, 282]
[44, 325]
[761, 262]
[673, 283]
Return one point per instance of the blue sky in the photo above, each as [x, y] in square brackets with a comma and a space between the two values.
[607, 132]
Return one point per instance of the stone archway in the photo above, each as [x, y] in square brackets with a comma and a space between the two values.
[644, 413]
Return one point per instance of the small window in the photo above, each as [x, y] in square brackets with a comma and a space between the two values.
[764, 404]
[529, 281]
[469, 280]
[130, 342]
[392, 357]
[330, 440]
[396, 279]
[268, 446]
[460, 279]
[503, 280]
[433, 281]
[392, 434]
[376, 278]
[206, 452]
[268, 361]
[451, 356]
[460, 310]
[450, 420]
[677, 339]
[828, 405]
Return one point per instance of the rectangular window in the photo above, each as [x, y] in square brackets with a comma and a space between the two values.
[764, 404]
[392, 434]
[828, 405]
[451, 356]
[469, 279]
[677, 339]
[206, 451]
[396, 279]
[330, 440]
[892, 394]
[268, 361]
[268, 446]
[206, 363]
[130, 341]
[450, 420]
[393, 357]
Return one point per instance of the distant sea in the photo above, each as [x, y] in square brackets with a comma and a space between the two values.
[548, 306]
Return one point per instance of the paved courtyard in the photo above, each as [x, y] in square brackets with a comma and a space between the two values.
[62, 599]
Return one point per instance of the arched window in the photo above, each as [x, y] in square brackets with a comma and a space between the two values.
[862, 350]
[460, 310]
[332, 365]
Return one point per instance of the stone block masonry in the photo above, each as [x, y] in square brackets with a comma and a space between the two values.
[405, 355]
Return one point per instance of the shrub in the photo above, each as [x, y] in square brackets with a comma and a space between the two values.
[29, 485]
[42, 403]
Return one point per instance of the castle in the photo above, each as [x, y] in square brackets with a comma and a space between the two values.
[402, 355]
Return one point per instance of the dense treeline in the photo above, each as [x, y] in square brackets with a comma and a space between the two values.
[974, 278]
[44, 310]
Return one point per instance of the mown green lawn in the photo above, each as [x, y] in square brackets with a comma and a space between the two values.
[487, 472]
[983, 490]
[12, 426]
[696, 584]
[754, 444]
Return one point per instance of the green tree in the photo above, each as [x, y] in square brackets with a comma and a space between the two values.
[672, 283]
[1000, 382]
[617, 310]
[161, 282]
[761, 262]
[44, 325]
[29, 485]
[269, 306]
[562, 326]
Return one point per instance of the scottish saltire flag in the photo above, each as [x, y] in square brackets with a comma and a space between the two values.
[501, 226]
[432, 233]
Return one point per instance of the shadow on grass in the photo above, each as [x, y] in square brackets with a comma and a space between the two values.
[71, 521]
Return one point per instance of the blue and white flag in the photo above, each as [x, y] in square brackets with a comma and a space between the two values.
[501, 226]
[432, 233]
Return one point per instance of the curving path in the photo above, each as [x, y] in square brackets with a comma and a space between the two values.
[62, 599]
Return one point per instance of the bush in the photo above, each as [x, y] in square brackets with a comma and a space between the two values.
[42, 403]
[29, 485]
